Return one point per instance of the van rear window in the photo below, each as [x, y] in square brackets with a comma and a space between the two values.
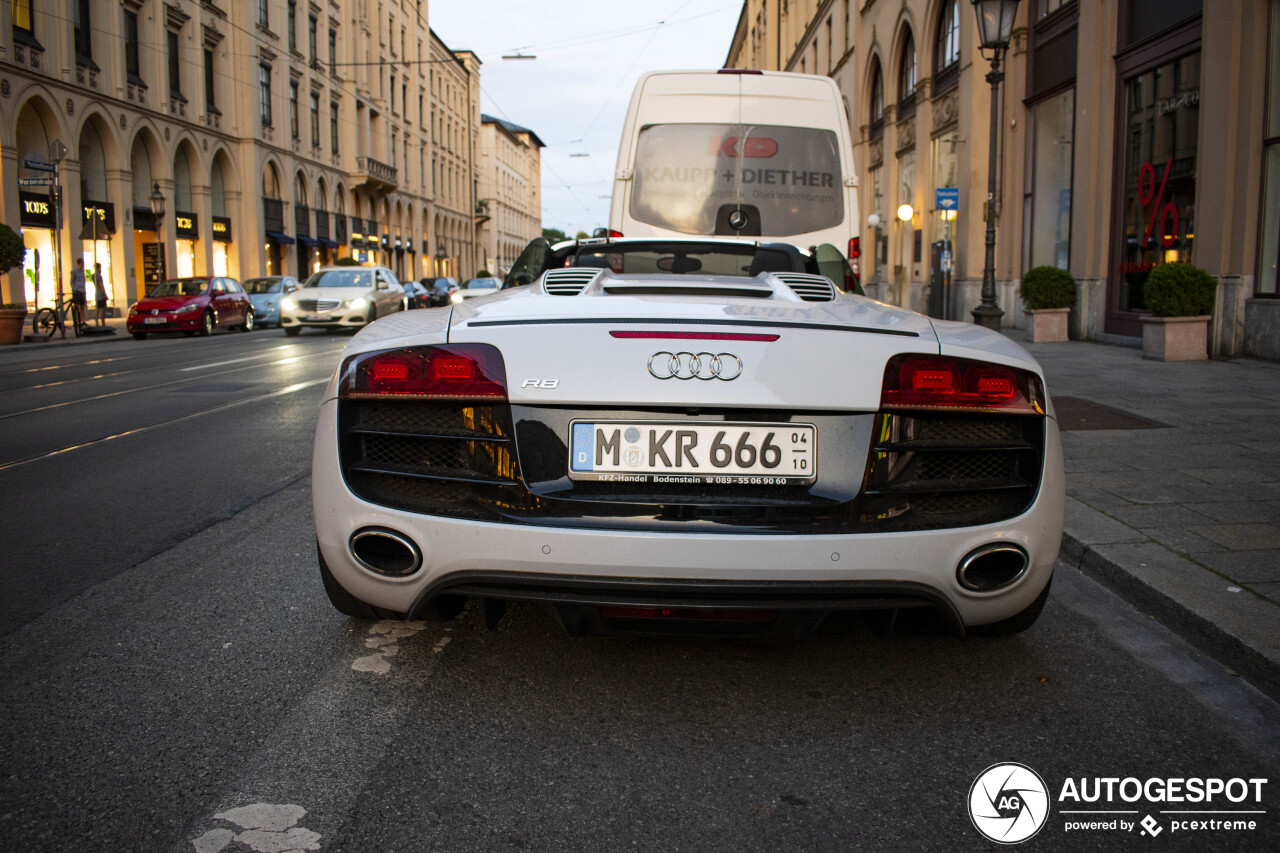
[737, 179]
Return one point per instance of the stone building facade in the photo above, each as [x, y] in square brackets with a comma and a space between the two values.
[1110, 158]
[510, 191]
[282, 134]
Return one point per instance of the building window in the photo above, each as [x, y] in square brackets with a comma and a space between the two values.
[1269, 260]
[209, 88]
[946, 50]
[1049, 224]
[333, 127]
[264, 94]
[315, 120]
[293, 109]
[312, 51]
[1162, 123]
[907, 78]
[21, 12]
[877, 101]
[175, 68]
[132, 69]
[263, 18]
[333, 52]
[291, 24]
[83, 39]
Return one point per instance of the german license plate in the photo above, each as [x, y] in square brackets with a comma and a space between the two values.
[697, 453]
[154, 320]
[317, 318]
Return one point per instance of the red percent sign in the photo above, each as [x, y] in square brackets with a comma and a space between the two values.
[1147, 193]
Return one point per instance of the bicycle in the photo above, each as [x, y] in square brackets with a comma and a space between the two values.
[49, 320]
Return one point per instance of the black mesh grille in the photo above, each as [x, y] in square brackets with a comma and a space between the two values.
[951, 471]
[878, 472]
[433, 458]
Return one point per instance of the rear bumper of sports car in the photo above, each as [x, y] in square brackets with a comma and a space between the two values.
[584, 567]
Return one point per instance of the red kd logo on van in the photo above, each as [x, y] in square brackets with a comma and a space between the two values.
[752, 146]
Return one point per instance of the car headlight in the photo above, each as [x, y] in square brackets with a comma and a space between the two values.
[456, 298]
[188, 308]
[357, 303]
[133, 309]
[288, 304]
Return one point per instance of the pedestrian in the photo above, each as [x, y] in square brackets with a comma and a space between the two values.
[78, 302]
[100, 295]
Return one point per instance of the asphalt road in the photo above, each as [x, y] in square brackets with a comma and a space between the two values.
[175, 680]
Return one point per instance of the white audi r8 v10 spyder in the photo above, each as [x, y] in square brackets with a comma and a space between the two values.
[687, 436]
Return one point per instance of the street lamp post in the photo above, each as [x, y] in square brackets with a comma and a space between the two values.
[995, 26]
[157, 209]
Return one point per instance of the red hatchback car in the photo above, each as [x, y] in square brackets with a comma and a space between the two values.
[192, 306]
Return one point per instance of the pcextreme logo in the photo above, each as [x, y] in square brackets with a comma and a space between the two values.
[1008, 803]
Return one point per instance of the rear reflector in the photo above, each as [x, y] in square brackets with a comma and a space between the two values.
[693, 336]
[930, 382]
[445, 372]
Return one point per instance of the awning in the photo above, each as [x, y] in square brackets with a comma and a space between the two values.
[327, 243]
[282, 239]
[87, 232]
[308, 241]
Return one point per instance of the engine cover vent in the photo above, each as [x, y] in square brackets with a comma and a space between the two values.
[568, 281]
[810, 288]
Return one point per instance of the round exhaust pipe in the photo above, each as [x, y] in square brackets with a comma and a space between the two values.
[992, 567]
[385, 552]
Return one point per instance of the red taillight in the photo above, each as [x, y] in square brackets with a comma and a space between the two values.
[855, 248]
[614, 234]
[445, 372]
[930, 382]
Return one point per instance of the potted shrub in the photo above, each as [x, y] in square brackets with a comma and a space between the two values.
[13, 315]
[1047, 296]
[1180, 298]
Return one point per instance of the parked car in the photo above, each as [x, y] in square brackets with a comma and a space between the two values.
[417, 295]
[195, 305]
[688, 436]
[441, 289]
[474, 287]
[339, 297]
[265, 292]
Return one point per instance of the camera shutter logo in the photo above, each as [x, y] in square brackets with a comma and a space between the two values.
[1008, 803]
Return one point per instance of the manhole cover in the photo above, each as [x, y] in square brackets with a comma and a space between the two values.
[1076, 414]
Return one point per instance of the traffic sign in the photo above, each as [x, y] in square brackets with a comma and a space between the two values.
[37, 165]
[947, 198]
[35, 182]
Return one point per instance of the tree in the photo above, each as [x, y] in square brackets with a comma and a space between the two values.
[554, 235]
[583, 235]
[12, 248]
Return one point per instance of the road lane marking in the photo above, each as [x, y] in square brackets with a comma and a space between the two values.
[385, 636]
[125, 391]
[232, 361]
[266, 827]
[288, 389]
[369, 712]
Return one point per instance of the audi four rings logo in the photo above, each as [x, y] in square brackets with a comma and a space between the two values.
[695, 365]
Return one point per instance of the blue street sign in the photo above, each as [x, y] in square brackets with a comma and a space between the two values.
[37, 165]
[947, 198]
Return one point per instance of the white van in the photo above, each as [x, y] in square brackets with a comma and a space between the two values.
[762, 155]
